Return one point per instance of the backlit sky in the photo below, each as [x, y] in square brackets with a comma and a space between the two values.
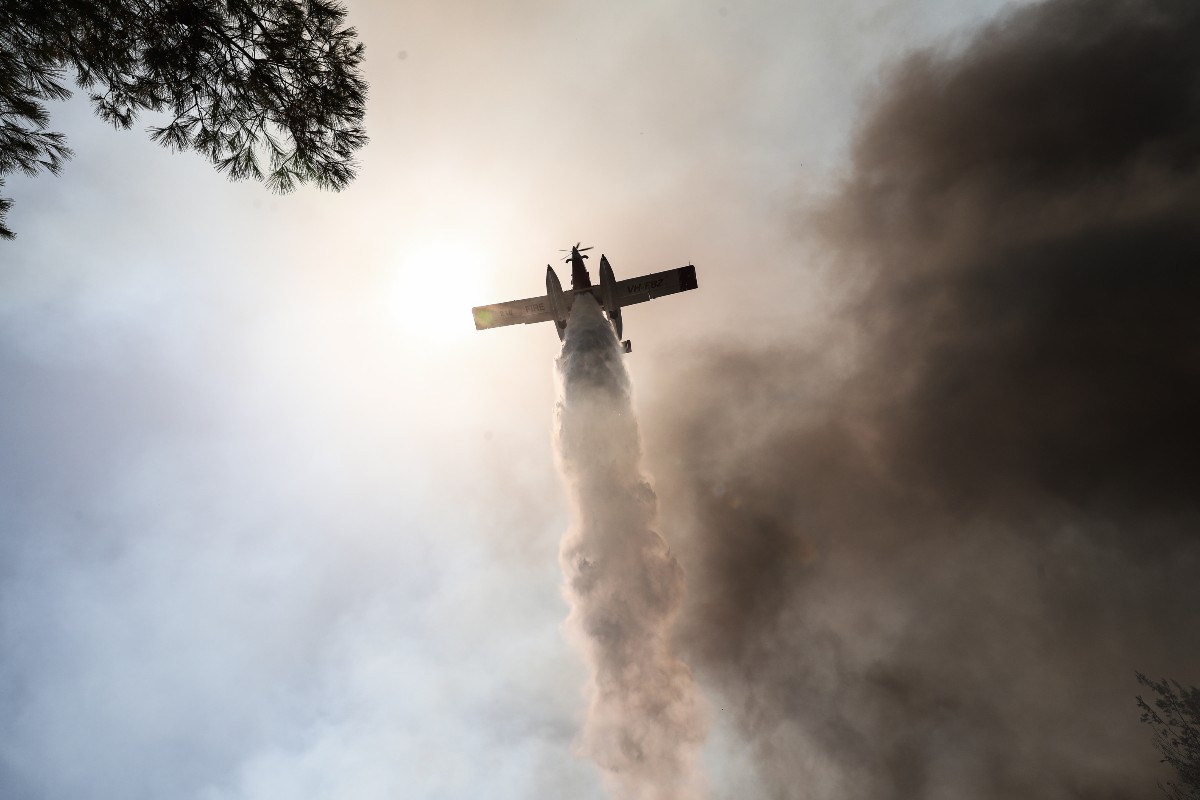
[276, 521]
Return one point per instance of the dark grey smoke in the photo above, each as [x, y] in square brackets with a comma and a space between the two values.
[645, 722]
[934, 573]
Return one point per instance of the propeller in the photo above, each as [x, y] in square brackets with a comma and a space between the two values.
[576, 247]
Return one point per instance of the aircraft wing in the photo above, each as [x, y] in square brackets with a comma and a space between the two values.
[533, 309]
[632, 291]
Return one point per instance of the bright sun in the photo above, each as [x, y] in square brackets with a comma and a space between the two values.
[434, 286]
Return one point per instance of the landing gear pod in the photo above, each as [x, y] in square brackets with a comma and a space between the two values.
[608, 296]
[558, 302]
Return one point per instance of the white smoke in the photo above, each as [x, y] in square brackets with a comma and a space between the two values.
[646, 720]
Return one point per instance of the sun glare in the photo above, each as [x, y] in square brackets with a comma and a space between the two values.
[434, 286]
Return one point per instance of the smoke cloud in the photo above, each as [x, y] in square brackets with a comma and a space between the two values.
[646, 721]
[927, 551]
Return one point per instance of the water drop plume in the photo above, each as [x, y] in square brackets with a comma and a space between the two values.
[646, 720]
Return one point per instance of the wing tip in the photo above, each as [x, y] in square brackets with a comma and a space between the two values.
[483, 317]
[687, 278]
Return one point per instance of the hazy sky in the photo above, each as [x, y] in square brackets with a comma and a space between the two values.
[278, 523]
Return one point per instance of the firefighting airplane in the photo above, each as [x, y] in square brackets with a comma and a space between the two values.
[611, 294]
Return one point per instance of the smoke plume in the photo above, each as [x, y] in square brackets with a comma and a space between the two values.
[927, 552]
[645, 721]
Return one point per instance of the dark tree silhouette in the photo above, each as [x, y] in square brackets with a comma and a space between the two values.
[1175, 718]
[265, 89]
